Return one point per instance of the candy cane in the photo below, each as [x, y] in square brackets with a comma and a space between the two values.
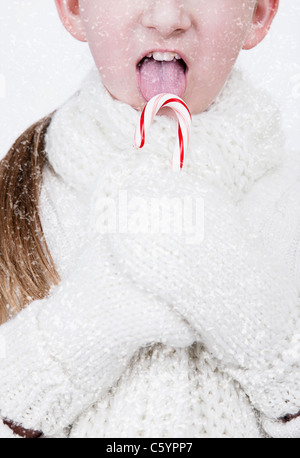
[184, 125]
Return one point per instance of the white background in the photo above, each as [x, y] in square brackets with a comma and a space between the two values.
[41, 65]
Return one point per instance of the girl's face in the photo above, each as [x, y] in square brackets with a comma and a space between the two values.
[187, 47]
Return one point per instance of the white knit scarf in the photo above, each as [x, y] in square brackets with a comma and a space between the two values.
[233, 143]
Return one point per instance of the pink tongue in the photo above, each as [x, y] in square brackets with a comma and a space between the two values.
[157, 77]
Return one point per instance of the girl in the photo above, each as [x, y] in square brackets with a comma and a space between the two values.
[140, 333]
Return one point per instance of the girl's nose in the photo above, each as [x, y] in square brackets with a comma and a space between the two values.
[168, 17]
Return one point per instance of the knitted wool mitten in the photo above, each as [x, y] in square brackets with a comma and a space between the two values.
[236, 295]
[64, 352]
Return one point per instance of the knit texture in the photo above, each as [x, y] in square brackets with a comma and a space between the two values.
[148, 335]
[233, 144]
[175, 393]
[79, 341]
[235, 293]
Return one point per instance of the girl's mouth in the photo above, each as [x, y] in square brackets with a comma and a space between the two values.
[162, 72]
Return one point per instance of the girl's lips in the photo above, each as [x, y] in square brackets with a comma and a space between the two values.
[181, 55]
[161, 71]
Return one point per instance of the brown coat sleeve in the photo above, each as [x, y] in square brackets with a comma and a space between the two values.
[22, 432]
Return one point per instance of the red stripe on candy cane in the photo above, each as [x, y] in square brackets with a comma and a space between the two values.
[142, 128]
[178, 100]
[184, 124]
[181, 146]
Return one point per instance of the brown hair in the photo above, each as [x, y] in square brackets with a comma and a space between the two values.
[27, 270]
